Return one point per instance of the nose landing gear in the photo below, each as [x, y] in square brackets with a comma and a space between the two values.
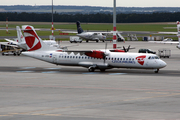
[156, 70]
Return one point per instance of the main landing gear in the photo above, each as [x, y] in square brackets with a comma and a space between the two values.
[92, 68]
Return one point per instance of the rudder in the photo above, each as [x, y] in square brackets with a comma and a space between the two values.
[79, 29]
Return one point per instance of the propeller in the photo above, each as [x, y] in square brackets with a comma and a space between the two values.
[126, 50]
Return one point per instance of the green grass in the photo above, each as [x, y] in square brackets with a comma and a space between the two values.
[103, 27]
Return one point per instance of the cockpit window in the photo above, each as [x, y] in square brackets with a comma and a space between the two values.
[153, 57]
[156, 57]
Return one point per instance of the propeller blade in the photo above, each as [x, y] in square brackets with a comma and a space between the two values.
[124, 49]
[128, 48]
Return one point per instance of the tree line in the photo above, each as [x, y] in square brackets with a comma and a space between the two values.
[92, 18]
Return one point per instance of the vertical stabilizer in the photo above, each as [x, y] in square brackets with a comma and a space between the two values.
[79, 29]
[20, 40]
[20, 35]
[32, 40]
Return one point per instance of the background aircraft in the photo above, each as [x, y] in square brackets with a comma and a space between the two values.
[94, 36]
[20, 41]
[91, 59]
[171, 42]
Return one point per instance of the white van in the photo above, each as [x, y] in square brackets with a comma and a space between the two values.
[75, 39]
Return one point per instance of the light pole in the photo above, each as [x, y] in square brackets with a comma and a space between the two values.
[114, 26]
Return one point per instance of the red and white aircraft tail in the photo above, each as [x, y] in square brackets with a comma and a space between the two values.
[33, 41]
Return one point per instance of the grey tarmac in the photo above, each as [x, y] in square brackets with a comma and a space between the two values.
[33, 89]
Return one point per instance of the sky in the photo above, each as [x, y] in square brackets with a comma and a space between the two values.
[104, 3]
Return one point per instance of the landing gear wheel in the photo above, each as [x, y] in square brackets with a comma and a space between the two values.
[91, 69]
[156, 71]
[86, 40]
[97, 40]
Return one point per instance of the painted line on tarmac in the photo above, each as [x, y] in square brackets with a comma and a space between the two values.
[52, 68]
[91, 73]
[117, 73]
[27, 67]
[51, 72]
[24, 71]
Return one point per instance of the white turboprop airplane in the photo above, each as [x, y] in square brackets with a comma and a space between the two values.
[91, 59]
[171, 42]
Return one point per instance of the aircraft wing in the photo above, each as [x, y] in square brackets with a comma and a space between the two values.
[102, 32]
[7, 44]
[11, 41]
[90, 53]
[164, 42]
[81, 52]
[175, 33]
[67, 31]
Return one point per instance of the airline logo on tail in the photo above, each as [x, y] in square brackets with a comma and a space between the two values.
[32, 40]
[140, 59]
[79, 29]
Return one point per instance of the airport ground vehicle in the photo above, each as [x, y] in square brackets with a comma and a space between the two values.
[164, 53]
[146, 51]
[75, 39]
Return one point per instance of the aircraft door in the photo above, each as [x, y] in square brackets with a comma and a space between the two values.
[54, 58]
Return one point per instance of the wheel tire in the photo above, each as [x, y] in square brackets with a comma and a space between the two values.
[156, 71]
[91, 70]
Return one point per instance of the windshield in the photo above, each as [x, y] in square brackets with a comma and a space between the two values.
[153, 57]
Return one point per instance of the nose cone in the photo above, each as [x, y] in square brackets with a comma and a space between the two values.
[162, 64]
